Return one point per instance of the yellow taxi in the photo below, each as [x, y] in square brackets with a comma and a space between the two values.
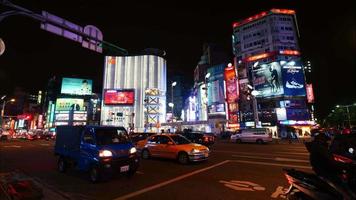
[172, 146]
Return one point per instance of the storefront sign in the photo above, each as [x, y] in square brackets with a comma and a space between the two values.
[310, 93]
[232, 93]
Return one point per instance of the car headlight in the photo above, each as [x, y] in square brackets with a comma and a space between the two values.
[195, 151]
[105, 153]
[133, 150]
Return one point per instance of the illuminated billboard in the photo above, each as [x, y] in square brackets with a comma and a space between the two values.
[232, 94]
[66, 104]
[119, 97]
[76, 86]
[267, 79]
[293, 80]
[310, 93]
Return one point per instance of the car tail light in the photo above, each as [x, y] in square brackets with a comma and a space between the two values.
[341, 159]
[206, 139]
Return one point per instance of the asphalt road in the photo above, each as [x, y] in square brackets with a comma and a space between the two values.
[234, 171]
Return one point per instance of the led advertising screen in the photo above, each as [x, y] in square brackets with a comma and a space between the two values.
[66, 104]
[125, 97]
[293, 80]
[76, 86]
[231, 84]
[267, 79]
[310, 93]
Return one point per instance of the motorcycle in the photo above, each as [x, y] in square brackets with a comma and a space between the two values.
[334, 166]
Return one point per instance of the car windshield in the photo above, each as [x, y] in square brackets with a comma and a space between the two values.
[111, 136]
[180, 139]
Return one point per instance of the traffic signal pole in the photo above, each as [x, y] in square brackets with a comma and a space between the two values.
[18, 10]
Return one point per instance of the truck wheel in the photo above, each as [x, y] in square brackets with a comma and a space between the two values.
[62, 165]
[183, 158]
[145, 154]
[94, 174]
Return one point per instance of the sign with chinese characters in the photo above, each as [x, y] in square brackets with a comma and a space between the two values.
[310, 93]
[231, 84]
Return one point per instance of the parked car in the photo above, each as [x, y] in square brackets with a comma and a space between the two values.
[101, 150]
[200, 137]
[136, 137]
[173, 146]
[256, 135]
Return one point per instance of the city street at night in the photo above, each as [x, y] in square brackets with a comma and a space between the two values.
[177, 100]
[234, 171]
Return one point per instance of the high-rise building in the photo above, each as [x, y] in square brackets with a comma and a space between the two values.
[267, 56]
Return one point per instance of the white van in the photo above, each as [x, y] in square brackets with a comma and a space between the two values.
[255, 135]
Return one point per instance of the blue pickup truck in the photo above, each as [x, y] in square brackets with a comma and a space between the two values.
[100, 150]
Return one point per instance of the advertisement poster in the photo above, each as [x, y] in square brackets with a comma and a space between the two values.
[310, 93]
[216, 92]
[298, 114]
[267, 79]
[293, 80]
[231, 96]
[76, 86]
[119, 97]
[66, 104]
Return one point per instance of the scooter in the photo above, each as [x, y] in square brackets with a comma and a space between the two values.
[341, 185]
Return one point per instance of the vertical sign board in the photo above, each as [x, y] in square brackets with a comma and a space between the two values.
[310, 93]
[231, 84]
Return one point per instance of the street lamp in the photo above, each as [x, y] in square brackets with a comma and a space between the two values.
[172, 103]
[3, 107]
[347, 110]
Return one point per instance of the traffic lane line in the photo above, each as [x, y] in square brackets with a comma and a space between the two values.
[162, 184]
[209, 185]
[272, 164]
[260, 154]
[274, 158]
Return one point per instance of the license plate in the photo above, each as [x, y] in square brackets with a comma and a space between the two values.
[124, 168]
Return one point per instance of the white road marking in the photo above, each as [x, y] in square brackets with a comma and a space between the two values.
[262, 154]
[12, 146]
[291, 160]
[272, 158]
[153, 187]
[279, 193]
[272, 164]
[295, 153]
[243, 185]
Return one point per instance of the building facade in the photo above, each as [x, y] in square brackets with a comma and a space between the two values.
[267, 56]
[134, 92]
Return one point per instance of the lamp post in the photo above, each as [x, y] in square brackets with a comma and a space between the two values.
[347, 111]
[172, 103]
[3, 107]
[207, 76]
[254, 93]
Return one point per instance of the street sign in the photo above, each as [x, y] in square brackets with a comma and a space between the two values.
[94, 32]
[55, 24]
[2, 46]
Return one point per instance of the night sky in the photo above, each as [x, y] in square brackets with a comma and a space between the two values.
[328, 40]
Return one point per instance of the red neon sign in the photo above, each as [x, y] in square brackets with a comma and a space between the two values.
[283, 11]
[289, 52]
[258, 57]
[262, 14]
